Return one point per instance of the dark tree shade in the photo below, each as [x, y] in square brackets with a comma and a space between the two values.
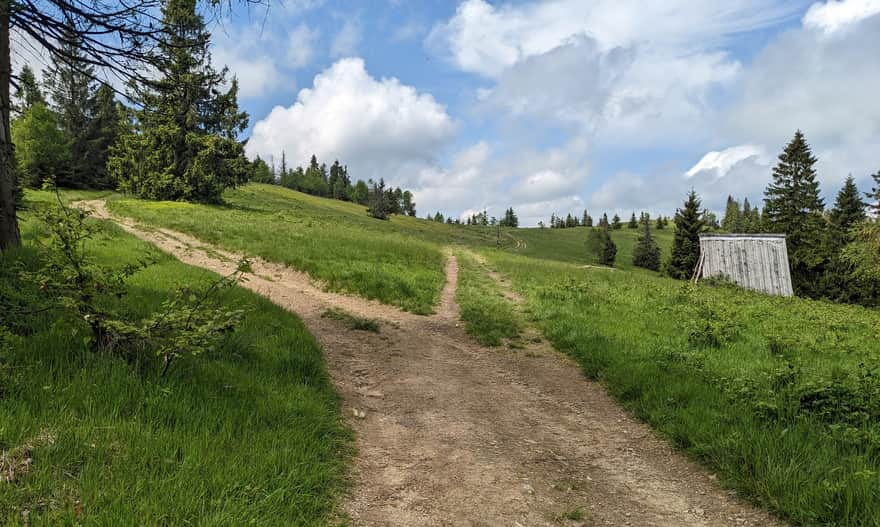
[686, 242]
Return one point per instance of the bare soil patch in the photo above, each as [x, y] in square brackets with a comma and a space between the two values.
[452, 433]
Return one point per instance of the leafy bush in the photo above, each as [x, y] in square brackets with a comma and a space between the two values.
[85, 293]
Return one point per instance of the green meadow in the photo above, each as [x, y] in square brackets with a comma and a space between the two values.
[249, 434]
[780, 396]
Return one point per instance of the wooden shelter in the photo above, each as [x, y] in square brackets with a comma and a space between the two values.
[753, 261]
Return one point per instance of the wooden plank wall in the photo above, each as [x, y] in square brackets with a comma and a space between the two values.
[753, 262]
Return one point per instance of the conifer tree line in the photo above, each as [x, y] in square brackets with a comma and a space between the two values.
[482, 218]
[179, 141]
[834, 254]
[335, 183]
[586, 220]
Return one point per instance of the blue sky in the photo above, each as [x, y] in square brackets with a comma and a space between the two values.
[561, 105]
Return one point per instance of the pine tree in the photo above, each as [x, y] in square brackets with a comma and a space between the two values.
[646, 253]
[260, 172]
[601, 247]
[603, 223]
[587, 220]
[409, 206]
[633, 222]
[71, 87]
[186, 147]
[848, 211]
[874, 195]
[793, 207]
[686, 242]
[380, 208]
[102, 133]
[615, 222]
[28, 92]
[733, 218]
[660, 225]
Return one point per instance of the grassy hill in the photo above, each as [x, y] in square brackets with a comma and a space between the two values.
[398, 262]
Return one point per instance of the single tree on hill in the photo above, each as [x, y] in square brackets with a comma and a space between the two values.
[633, 222]
[660, 225]
[601, 247]
[587, 220]
[793, 207]
[603, 223]
[686, 242]
[615, 222]
[646, 253]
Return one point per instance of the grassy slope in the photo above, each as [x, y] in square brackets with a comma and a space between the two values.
[398, 262]
[775, 405]
[569, 245]
[250, 435]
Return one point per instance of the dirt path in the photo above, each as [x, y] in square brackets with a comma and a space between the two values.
[456, 434]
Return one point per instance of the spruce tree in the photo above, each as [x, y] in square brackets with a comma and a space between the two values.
[260, 172]
[848, 211]
[874, 195]
[615, 222]
[380, 207]
[69, 82]
[686, 241]
[600, 247]
[603, 223]
[733, 218]
[409, 206]
[28, 92]
[660, 225]
[633, 222]
[102, 133]
[646, 253]
[792, 206]
[186, 145]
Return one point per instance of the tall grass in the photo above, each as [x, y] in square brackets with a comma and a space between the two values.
[779, 395]
[488, 316]
[248, 435]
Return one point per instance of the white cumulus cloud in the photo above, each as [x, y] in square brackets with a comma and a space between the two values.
[835, 15]
[379, 127]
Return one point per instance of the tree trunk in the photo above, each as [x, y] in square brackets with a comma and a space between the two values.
[9, 234]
